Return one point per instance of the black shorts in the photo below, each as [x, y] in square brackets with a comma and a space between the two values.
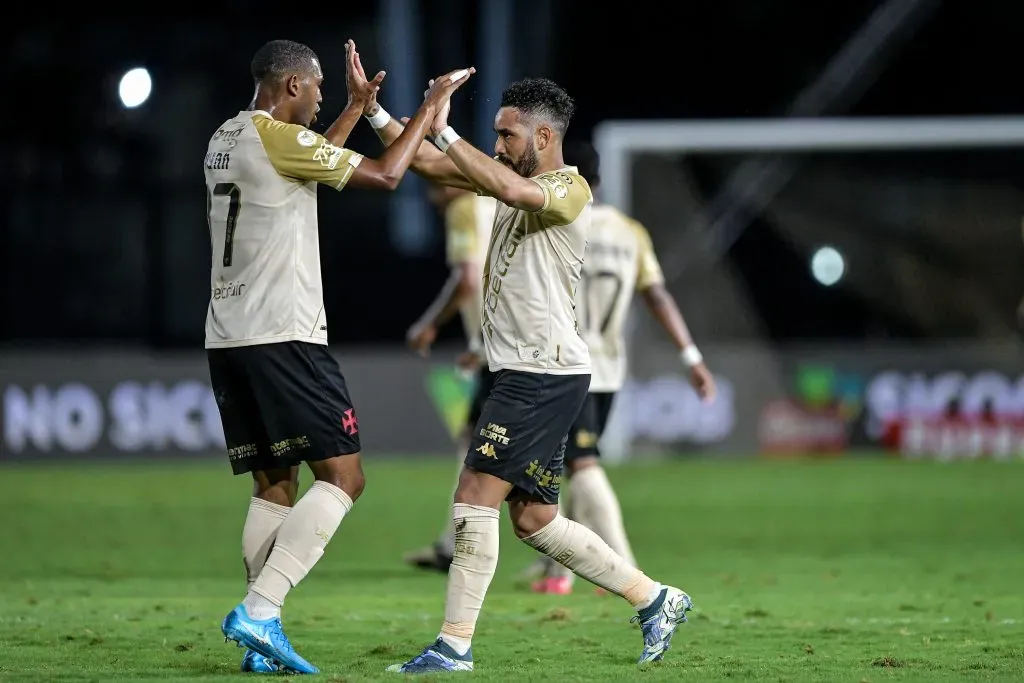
[521, 434]
[589, 426]
[484, 380]
[282, 404]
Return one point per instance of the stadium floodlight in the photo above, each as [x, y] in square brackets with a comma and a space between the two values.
[135, 87]
[827, 266]
[618, 141]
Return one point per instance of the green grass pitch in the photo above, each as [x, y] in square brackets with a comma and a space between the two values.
[850, 570]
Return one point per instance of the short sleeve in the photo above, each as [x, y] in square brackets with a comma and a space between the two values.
[460, 230]
[300, 154]
[648, 271]
[566, 194]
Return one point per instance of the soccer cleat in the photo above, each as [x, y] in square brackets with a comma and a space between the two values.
[267, 638]
[432, 557]
[659, 621]
[437, 657]
[254, 662]
[553, 585]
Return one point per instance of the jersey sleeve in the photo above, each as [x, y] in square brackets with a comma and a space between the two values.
[565, 196]
[300, 154]
[460, 230]
[648, 270]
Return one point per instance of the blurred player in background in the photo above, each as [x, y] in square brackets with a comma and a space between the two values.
[468, 218]
[620, 260]
[282, 398]
[540, 363]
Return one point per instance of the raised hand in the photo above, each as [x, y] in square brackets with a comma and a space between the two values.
[439, 91]
[360, 90]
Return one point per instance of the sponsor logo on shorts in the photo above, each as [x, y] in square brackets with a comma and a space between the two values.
[286, 446]
[496, 433]
[248, 450]
[543, 477]
[487, 450]
[585, 439]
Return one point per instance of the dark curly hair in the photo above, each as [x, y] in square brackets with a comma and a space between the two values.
[280, 58]
[585, 158]
[542, 99]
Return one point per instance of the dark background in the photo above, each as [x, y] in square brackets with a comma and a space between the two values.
[104, 236]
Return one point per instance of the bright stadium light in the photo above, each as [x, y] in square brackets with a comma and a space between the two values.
[827, 266]
[135, 87]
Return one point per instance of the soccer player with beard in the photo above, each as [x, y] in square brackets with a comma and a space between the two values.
[541, 369]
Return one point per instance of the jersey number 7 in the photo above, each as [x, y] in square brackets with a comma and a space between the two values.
[595, 286]
[234, 195]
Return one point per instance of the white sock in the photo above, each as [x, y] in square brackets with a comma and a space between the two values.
[583, 551]
[473, 565]
[597, 508]
[261, 524]
[258, 607]
[300, 542]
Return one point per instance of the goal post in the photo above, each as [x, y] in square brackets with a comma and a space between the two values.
[621, 143]
[618, 141]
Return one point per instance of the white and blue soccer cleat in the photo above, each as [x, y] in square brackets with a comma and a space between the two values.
[254, 662]
[436, 658]
[267, 638]
[659, 621]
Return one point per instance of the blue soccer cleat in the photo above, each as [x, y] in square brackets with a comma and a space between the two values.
[267, 638]
[659, 621]
[436, 658]
[254, 662]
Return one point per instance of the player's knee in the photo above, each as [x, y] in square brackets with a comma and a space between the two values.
[342, 471]
[478, 488]
[529, 519]
[280, 487]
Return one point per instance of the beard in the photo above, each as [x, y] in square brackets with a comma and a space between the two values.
[526, 165]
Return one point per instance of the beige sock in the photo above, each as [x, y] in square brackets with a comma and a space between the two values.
[473, 565]
[583, 551]
[301, 540]
[447, 539]
[597, 508]
[258, 534]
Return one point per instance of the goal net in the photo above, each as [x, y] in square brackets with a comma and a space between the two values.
[831, 230]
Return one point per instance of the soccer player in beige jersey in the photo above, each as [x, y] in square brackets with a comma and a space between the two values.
[620, 260]
[541, 368]
[468, 218]
[282, 398]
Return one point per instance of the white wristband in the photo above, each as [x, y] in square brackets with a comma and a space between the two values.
[380, 119]
[691, 356]
[445, 139]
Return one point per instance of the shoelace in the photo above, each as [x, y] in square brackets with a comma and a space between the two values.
[283, 642]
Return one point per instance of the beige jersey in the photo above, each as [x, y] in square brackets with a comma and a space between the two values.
[261, 178]
[468, 220]
[533, 268]
[620, 260]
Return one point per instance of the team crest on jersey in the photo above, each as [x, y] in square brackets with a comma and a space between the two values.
[328, 155]
[557, 186]
[307, 138]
